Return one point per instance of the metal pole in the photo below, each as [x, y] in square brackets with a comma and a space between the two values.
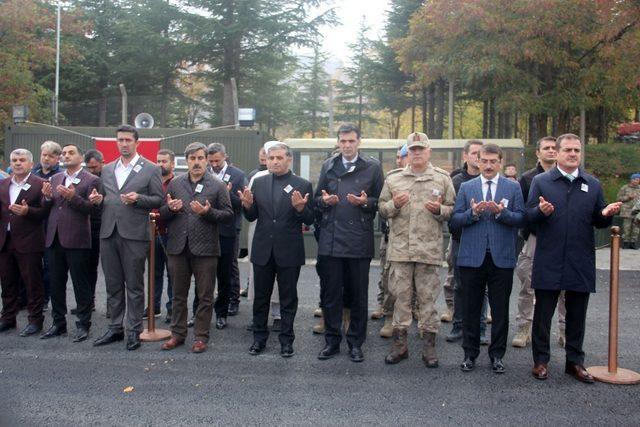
[614, 277]
[123, 92]
[451, 101]
[57, 90]
[583, 135]
[611, 373]
[151, 333]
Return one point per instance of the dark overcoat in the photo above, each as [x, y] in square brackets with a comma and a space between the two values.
[565, 251]
[347, 230]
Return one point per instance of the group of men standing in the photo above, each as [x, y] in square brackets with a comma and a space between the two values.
[556, 205]
[563, 204]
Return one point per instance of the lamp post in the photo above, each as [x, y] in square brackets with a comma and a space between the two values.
[57, 90]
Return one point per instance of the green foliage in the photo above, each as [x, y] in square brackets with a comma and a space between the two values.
[612, 164]
[311, 115]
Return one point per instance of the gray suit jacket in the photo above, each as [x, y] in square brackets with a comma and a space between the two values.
[186, 227]
[132, 221]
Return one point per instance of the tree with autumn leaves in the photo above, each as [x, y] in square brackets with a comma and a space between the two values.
[543, 59]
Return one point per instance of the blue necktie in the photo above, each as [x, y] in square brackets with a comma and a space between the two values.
[489, 195]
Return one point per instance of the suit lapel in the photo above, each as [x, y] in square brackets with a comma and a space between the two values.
[139, 165]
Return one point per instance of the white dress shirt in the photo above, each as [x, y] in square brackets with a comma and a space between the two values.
[574, 173]
[68, 179]
[14, 190]
[122, 172]
[485, 187]
[345, 161]
[222, 172]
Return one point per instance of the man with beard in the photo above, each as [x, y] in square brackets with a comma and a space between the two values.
[68, 241]
[229, 234]
[196, 204]
[166, 159]
[94, 161]
[132, 187]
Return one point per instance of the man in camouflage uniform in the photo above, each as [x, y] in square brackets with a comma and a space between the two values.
[628, 195]
[385, 299]
[418, 199]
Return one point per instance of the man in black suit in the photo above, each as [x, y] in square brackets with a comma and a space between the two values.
[280, 203]
[94, 161]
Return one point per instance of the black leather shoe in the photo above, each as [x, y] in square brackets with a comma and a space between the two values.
[31, 329]
[497, 366]
[286, 350]
[133, 341]
[82, 334]
[74, 311]
[54, 331]
[221, 322]
[256, 348]
[328, 352]
[191, 322]
[454, 335]
[233, 309]
[356, 355]
[468, 364]
[109, 337]
[277, 325]
[5, 326]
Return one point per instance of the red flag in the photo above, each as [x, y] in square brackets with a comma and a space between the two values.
[147, 148]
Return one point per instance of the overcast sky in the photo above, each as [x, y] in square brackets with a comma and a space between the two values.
[350, 13]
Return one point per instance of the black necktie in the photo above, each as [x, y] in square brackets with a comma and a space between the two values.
[489, 195]
[348, 166]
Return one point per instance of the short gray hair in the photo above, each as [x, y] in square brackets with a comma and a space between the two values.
[52, 146]
[22, 152]
[280, 146]
[216, 147]
[193, 147]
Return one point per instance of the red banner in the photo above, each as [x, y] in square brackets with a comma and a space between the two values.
[147, 148]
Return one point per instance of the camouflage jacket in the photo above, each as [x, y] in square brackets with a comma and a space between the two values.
[415, 234]
[635, 211]
[628, 195]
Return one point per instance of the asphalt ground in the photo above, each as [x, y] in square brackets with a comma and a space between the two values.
[57, 382]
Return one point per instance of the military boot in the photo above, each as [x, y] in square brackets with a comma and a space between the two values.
[399, 349]
[319, 328]
[378, 313]
[429, 355]
[523, 336]
[387, 329]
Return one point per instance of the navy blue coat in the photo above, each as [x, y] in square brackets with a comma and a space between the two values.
[565, 250]
[347, 230]
[486, 232]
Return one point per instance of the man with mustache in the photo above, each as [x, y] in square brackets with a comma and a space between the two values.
[195, 206]
[488, 212]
